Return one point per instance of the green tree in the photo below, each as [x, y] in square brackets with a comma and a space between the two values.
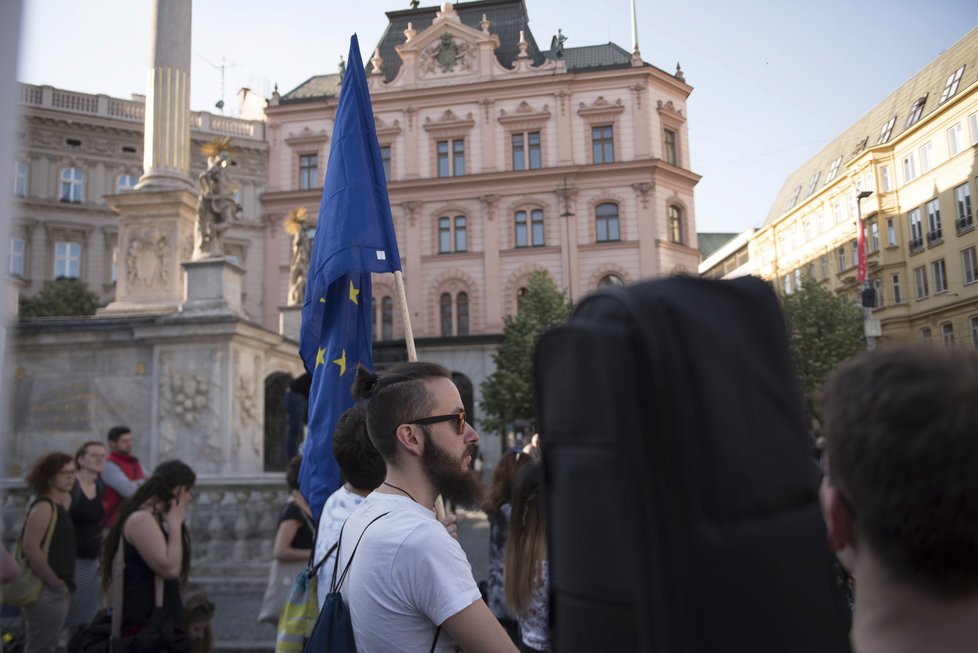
[507, 395]
[63, 297]
[824, 329]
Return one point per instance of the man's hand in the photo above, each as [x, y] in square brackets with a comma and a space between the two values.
[449, 522]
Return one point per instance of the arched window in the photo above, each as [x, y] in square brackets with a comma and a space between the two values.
[611, 281]
[536, 216]
[519, 299]
[387, 318]
[606, 222]
[20, 179]
[676, 224]
[72, 181]
[125, 182]
[522, 236]
[445, 312]
[462, 313]
[452, 234]
[461, 237]
[529, 234]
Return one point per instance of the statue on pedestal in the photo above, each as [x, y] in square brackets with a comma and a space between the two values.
[296, 225]
[216, 206]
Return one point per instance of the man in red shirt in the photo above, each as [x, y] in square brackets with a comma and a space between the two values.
[122, 473]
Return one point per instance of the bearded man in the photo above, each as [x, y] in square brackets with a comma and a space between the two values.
[410, 587]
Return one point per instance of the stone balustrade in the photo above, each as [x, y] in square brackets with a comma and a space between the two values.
[232, 524]
[132, 110]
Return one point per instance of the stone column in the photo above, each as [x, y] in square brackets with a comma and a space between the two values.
[166, 147]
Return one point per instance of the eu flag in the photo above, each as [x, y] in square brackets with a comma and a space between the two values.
[354, 237]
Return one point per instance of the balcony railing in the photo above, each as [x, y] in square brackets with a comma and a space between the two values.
[916, 244]
[964, 223]
[935, 236]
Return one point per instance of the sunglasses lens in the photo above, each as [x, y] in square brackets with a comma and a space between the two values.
[461, 422]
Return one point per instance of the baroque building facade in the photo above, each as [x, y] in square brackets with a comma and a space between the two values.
[501, 159]
[909, 168]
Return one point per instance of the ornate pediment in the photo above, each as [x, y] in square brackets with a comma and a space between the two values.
[449, 125]
[524, 116]
[601, 110]
[307, 137]
[385, 131]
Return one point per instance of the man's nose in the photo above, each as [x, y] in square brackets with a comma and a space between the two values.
[470, 434]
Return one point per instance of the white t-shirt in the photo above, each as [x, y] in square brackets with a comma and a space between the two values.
[337, 508]
[407, 576]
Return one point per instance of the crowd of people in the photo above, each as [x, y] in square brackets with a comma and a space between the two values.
[98, 523]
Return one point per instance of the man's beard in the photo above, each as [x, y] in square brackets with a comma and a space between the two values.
[455, 484]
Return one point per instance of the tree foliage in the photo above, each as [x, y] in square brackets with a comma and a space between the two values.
[824, 329]
[507, 394]
[63, 297]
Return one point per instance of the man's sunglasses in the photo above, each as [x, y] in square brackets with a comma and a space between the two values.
[458, 418]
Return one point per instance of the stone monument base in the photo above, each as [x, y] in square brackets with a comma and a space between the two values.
[213, 287]
[290, 322]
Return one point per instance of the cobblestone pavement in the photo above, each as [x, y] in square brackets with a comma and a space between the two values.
[235, 627]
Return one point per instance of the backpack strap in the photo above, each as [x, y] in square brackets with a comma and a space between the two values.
[334, 585]
[437, 633]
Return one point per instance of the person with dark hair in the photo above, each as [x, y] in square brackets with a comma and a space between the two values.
[498, 509]
[87, 513]
[51, 478]
[363, 471]
[155, 543]
[122, 473]
[293, 544]
[200, 612]
[409, 573]
[527, 580]
[900, 496]
[296, 412]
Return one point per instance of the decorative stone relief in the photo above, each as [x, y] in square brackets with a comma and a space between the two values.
[147, 258]
[642, 189]
[187, 419]
[447, 55]
[247, 372]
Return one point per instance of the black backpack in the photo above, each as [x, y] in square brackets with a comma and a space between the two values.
[682, 497]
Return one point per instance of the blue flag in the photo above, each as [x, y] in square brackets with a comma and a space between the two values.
[354, 237]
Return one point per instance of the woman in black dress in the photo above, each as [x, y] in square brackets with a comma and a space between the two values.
[87, 514]
[155, 544]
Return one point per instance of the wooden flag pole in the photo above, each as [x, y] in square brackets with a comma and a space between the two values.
[412, 354]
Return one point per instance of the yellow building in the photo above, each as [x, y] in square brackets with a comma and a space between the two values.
[909, 166]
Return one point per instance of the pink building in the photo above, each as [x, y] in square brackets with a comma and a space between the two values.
[501, 159]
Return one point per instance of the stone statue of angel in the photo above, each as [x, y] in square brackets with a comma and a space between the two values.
[216, 205]
[296, 225]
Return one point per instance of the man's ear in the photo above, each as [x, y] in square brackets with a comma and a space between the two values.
[839, 521]
[408, 436]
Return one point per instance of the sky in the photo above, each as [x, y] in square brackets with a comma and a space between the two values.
[774, 80]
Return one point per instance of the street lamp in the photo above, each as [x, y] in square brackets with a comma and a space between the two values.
[870, 326]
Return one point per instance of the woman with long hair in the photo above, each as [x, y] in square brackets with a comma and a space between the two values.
[87, 514]
[51, 478]
[200, 612]
[155, 543]
[526, 576]
[497, 509]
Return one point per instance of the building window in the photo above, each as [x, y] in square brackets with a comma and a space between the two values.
[794, 197]
[387, 318]
[886, 130]
[920, 281]
[940, 276]
[878, 287]
[947, 334]
[812, 184]
[819, 220]
[926, 156]
[672, 153]
[909, 168]
[606, 222]
[385, 160]
[526, 151]
[823, 266]
[603, 144]
[452, 234]
[891, 238]
[787, 284]
[973, 126]
[916, 110]
[445, 313]
[951, 86]
[969, 265]
[836, 212]
[462, 313]
[611, 281]
[916, 230]
[451, 158]
[925, 334]
[955, 139]
[934, 231]
[854, 246]
[67, 260]
[834, 170]
[72, 182]
[885, 179]
[17, 246]
[895, 286]
[125, 182]
[529, 228]
[874, 237]
[841, 256]
[308, 171]
[962, 201]
[676, 230]
[974, 332]
[20, 179]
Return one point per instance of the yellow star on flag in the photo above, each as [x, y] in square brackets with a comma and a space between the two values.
[354, 292]
[321, 356]
[341, 361]
[322, 300]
